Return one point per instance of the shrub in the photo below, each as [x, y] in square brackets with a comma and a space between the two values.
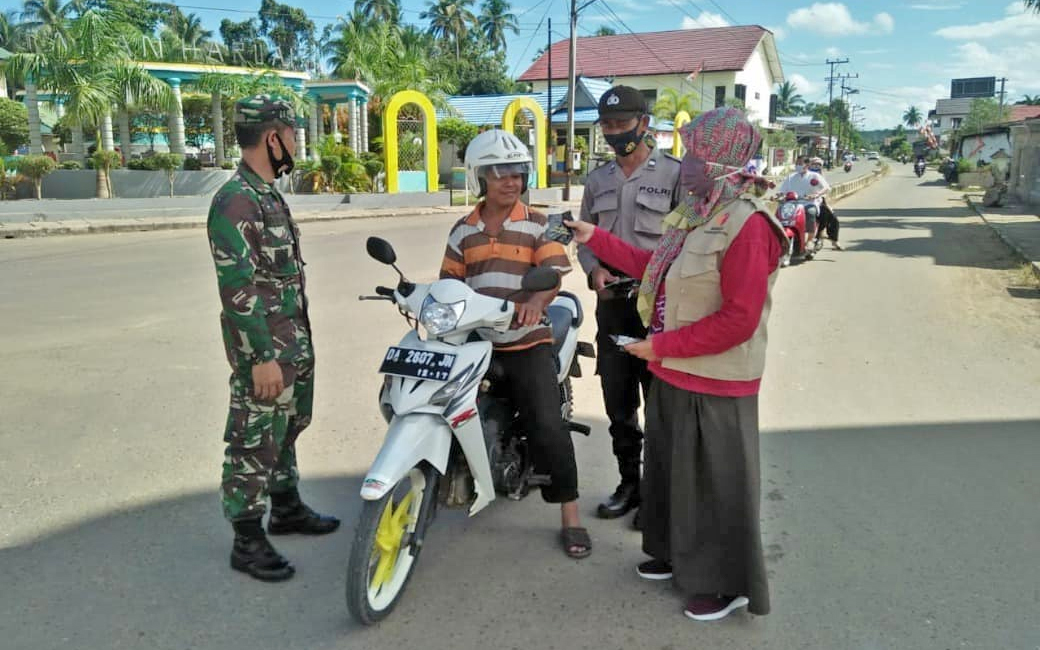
[168, 162]
[72, 164]
[964, 165]
[35, 168]
[227, 164]
[192, 164]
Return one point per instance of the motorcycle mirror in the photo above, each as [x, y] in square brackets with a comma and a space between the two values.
[381, 250]
[540, 279]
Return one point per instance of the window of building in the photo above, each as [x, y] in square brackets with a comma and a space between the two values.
[740, 92]
[955, 122]
[650, 96]
[720, 96]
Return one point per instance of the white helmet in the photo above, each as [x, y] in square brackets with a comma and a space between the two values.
[498, 151]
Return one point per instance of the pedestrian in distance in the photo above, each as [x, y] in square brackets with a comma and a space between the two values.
[705, 297]
[628, 197]
[267, 339]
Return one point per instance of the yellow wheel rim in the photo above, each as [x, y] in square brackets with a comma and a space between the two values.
[391, 529]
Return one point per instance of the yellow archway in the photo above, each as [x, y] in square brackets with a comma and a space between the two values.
[682, 117]
[390, 144]
[509, 123]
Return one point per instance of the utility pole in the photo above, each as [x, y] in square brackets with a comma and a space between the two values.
[1000, 115]
[845, 90]
[830, 105]
[572, 64]
[550, 137]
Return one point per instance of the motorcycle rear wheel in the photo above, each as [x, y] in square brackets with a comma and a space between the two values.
[387, 544]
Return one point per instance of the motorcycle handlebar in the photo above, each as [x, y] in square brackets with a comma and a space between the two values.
[385, 291]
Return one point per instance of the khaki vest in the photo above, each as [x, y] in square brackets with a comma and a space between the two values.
[693, 291]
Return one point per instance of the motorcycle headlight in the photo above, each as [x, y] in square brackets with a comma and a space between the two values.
[439, 317]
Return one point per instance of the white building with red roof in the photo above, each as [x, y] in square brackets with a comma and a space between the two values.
[714, 64]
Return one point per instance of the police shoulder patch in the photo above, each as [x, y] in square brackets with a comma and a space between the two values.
[670, 156]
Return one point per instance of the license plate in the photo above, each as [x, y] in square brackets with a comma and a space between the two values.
[420, 364]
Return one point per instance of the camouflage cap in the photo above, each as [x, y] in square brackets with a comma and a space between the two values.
[264, 108]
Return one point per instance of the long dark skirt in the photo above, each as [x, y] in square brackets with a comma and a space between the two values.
[700, 492]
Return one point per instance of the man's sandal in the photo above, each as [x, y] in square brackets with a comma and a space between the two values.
[576, 537]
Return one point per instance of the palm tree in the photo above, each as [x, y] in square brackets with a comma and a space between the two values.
[45, 17]
[669, 103]
[1034, 5]
[191, 31]
[494, 20]
[449, 20]
[136, 89]
[788, 101]
[912, 117]
[84, 72]
[1029, 100]
[12, 31]
[388, 11]
[219, 86]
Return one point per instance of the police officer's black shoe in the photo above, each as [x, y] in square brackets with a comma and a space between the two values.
[625, 497]
[252, 554]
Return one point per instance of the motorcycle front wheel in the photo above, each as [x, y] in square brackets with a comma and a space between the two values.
[387, 544]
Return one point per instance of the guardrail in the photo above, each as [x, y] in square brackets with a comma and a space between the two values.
[841, 190]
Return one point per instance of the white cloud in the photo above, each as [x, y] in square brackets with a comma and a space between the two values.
[779, 33]
[834, 19]
[885, 106]
[1019, 23]
[804, 86]
[881, 66]
[873, 52]
[937, 6]
[706, 19]
[833, 52]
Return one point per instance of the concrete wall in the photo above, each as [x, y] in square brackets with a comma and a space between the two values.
[127, 184]
[1024, 183]
[759, 81]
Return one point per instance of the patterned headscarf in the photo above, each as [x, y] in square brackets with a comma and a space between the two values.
[725, 141]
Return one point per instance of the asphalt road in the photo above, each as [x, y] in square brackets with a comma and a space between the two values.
[901, 433]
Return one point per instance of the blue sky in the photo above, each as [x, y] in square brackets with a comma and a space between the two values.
[904, 52]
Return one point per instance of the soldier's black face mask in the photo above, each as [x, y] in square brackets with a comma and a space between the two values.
[285, 164]
[624, 143]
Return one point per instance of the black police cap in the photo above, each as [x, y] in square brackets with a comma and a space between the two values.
[621, 103]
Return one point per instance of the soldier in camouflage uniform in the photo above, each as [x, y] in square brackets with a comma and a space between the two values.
[267, 338]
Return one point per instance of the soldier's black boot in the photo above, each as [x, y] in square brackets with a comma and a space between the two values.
[254, 555]
[626, 496]
[290, 515]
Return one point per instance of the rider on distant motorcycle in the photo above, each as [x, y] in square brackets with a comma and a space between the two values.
[808, 182]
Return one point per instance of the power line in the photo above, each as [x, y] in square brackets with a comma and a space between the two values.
[667, 65]
[531, 40]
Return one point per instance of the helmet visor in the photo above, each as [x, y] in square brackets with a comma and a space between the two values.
[505, 169]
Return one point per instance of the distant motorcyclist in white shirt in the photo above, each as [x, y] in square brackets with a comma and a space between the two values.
[810, 184]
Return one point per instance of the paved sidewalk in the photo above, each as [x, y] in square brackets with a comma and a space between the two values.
[1017, 225]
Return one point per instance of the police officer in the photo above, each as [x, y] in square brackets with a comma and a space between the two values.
[267, 339]
[629, 197]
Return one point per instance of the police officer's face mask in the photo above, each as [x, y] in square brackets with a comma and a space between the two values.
[625, 143]
[285, 164]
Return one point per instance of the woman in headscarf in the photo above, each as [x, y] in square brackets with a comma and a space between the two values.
[705, 296]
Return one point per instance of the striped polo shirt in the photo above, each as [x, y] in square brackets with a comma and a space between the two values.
[495, 266]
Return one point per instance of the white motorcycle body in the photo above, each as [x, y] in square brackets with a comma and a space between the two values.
[427, 409]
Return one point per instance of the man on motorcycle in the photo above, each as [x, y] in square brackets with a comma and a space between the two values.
[490, 250]
[808, 181]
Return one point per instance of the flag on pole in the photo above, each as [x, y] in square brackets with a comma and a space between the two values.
[693, 75]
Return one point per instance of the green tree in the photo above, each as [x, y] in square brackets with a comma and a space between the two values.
[14, 124]
[290, 30]
[983, 112]
[670, 101]
[450, 20]
[104, 163]
[495, 20]
[243, 41]
[388, 11]
[912, 117]
[1033, 4]
[605, 31]
[46, 17]
[1029, 100]
[170, 163]
[35, 168]
[12, 31]
[458, 133]
[788, 101]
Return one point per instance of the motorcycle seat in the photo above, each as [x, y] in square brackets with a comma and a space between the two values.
[560, 321]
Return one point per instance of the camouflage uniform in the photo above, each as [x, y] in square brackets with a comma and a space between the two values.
[256, 250]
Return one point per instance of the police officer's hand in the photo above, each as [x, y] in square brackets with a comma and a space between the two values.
[582, 230]
[268, 382]
[601, 277]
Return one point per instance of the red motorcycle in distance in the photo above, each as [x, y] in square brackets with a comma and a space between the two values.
[798, 216]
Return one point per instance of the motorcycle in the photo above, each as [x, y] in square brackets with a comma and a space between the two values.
[452, 440]
[798, 218]
[848, 166]
[919, 168]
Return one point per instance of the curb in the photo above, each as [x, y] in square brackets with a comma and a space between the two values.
[1033, 264]
[838, 192]
[97, 226]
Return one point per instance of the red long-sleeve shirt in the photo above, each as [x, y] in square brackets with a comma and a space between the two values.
[751, 257]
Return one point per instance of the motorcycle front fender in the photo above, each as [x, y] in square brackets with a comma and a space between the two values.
[410, 439]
